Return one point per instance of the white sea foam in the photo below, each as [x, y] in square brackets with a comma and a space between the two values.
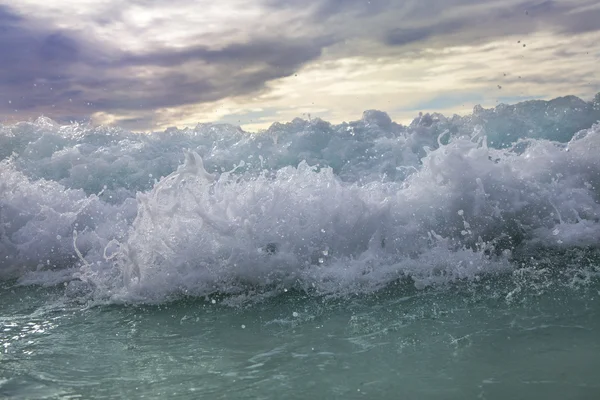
[334, 209]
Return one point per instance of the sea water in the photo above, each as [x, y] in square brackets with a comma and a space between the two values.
[457, 257]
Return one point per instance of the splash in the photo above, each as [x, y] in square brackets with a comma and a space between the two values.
[330, 209]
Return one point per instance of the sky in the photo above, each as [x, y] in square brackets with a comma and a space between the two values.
[149, 65]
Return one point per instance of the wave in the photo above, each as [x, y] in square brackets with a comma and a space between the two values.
[333, 209]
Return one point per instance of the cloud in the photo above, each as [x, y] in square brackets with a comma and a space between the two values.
[448, 80]
[195, 75]
[34, 62]
[140, 62]
[467, 22]
[321, 10]
[53, 71]
[404, 36]
[281, 54]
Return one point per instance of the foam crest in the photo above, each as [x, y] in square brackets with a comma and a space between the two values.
[463, 214]
[38, 220]
[308, 205]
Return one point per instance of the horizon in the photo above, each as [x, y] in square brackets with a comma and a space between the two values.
[151, 66]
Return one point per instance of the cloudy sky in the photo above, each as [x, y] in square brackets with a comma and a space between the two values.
[148, 65]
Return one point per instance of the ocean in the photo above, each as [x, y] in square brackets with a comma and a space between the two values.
[457, 257]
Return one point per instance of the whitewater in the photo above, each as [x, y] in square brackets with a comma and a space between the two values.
[455, 257]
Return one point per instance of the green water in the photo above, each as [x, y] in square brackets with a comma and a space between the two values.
[508, 338]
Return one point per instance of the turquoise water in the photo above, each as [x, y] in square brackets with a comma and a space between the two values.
[453, 258]
[522, 336]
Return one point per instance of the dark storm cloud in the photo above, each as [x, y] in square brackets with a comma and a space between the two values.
[277, 54]
[52, 72]
[22, 47]
[490, 22]
[199, 74]
[444, 22]
[34, 63]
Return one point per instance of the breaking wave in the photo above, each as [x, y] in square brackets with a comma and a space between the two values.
[307, 205]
